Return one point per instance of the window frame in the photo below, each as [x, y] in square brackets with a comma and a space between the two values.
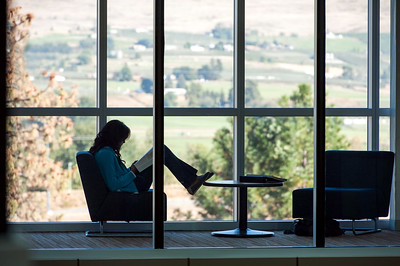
[239, 111]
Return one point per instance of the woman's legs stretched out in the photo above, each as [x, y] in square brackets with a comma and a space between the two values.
[184, 173]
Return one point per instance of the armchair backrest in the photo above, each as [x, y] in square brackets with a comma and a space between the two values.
[362, 169]
[93, 184]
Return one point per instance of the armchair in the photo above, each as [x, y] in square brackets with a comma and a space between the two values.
[105, 205]
[358, 185]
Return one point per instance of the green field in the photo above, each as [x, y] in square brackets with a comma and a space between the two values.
[277, 72]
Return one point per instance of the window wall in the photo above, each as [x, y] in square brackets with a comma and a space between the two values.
[239, 95]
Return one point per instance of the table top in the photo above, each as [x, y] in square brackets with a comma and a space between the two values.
[234, 183]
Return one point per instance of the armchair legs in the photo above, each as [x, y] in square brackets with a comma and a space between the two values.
[103, 233]
[363, 231]
[101, 224]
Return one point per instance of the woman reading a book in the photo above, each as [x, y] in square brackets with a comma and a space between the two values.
[138, 177]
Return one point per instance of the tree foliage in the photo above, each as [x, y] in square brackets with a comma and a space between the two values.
[211, 71]
[147, 85]
[280, 146]
[30, 168]
[222, 32]
[199, 97]
[124, 74]
[187, 72]
[252, 94]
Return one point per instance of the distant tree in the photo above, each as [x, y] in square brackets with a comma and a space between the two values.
[181, 81]
[222, 32]
[84, 58]
[49, 47]
[170, 100]
[87, 43]
[211, 71]
[187, 72]
[202, 98]
[145, 42]
[31, 140]
[219, 46]
[347, 72]
[194, 94]
[147, 85]
[206, 73]
[125, 74]
[253, 95]
[216, 65]
[169, 83]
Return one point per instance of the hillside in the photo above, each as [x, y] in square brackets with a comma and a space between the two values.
[269, 17]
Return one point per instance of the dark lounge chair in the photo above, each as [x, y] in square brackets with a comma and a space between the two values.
[105, 205]
[358, 185]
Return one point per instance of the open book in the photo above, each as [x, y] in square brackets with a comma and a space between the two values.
[145, 161]
[250, 178]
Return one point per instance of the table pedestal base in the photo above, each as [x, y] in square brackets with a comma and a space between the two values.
[242, 233]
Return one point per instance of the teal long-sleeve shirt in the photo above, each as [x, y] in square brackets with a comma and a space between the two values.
[115, 174]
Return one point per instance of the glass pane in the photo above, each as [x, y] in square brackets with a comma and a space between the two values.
[272, 148]
[384, 54]
[279, 50]
[346, 53]
[55, 64]
[198, 53]
[130, 53]
[44, 182]
[355, 130]
[284, 146]
[206, 144]
[203, 142]
[384, 134]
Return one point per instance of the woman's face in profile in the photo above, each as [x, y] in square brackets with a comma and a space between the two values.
[121, 143]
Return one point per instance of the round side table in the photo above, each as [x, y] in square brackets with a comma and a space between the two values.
[242, 230]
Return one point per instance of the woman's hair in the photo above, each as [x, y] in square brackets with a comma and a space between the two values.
[112, 134]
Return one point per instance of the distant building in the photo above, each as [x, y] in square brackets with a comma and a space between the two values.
[176, 91]
[197, 48]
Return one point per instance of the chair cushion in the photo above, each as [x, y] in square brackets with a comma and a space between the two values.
[125, 206]
[341, 203]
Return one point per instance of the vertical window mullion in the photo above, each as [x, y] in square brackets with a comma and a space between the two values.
[395, 109]
[238, 93]
[319, 123]
[373, 74]
[101, 79]
[158, 125]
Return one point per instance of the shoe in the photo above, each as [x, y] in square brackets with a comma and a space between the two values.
[192, 189]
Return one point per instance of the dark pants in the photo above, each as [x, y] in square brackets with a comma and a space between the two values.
[183, 172]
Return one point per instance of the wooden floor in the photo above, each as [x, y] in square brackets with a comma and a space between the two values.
[201, 239]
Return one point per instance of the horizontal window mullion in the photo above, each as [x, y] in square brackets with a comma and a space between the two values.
[278, 111]
[201, 112]
[48, 111]
[384, 112]
[355, 111]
